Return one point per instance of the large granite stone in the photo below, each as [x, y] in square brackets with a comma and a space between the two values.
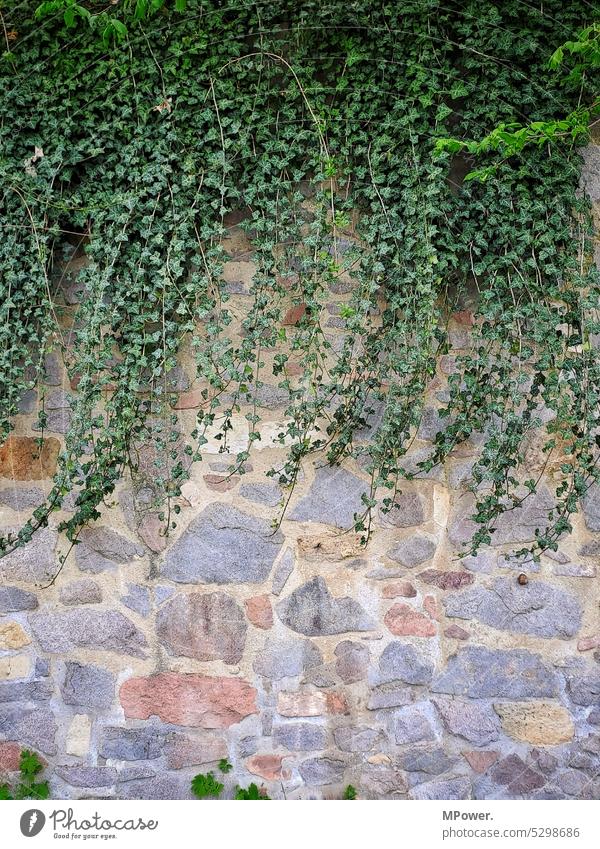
[474, 721]
[29, 727]
[403, 662]
[285, 658]
[132, 744]
[300, 736]
[515, 526]
[209, 626]
[536, 608]
[34, 562]
[101, 630]
[223, 546]
[312, 610]
[13, 599]
[88, 686]
[333, 499]
[322, 770]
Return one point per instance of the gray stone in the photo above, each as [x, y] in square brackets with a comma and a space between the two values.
[429, 761]
[321, 771]
[28, 401]
[515, 526]
[356, 738]
[484, 562]
[137, 599]
[383, 780]
[102, 630]
[481, 673]
[583, 685]
[101, 548]
[88, 776]
[575, 570]
[283, 570]
[35, 562]
[225, 546]
[13, 599]
[414, 550]
[58, 399]
[312, 610]
[536, 608]
[262, 493]
[25, 691]
[431, 424]
[590, 549]
[209, 626]
[162, 787]
[450, 788]
[134, 773]
[281, 658]
[83, 591]
[57, 421]
[42, 667]
[333, 499]
[408, 510]
[403, 662]
[390, 695]
[52, 370]
[163, 592]
[300, 736]
[590, 172]
[88, 686]
[476, 722]
[412, 724]
[352, 661]
[27, 498]
[132, 744]
[30, 727]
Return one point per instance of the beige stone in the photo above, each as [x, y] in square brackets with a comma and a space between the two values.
[301, 704]
[12, 636]
[539, 723]
[78, 736]
[15, 666]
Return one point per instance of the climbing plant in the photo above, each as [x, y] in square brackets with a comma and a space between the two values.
[146, 128]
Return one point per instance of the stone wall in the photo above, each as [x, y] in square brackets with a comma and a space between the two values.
[309, 662]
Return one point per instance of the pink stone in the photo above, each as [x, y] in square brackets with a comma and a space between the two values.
[480, 761]
[587, 643]
[294, 315]
[336, 703]
[182, 751]
[310, 703]
[220, 483]
[267, 766]
[405, 621]
[10, 755]
[446, 580]
[259, 611]
[189, 400]
[432, 607]
[455, 632]
[150, 531]
[403, 588]
[188, 699]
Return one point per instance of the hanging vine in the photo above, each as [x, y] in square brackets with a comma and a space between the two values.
[143, 126]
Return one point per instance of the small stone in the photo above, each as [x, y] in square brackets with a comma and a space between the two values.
[401, 589]
[283, 570]
[34, 727]
[131, 744]
[413, 551]
[428, 761]
[333, 499]
[35, 562]
[223, 545]
[205, 626]
[301, 704]
[539, 723]
[408, 510]
[404, 662]
[446, 580]
[78, 736]
[294, 315]
[475, 722]
[83, 591]
[356, 738]
[321, 771]
[102, 630]
[12, 636]
[268, 767]
[137, 599]
[450, 788]
[188, 699]
[151, 531]
[10, 757]
[88, 686]
[389, 696]
[412, 724]
[300, 737]
[403, 620]
[110, 544]
[286, 658]
[88, 776]
[269, 494]
[183, 751]
[586, 643]
[13, 599]
[352, 661]
[14, 666]
[313, 611]
[455, 632]
[22, 459]
[516, 776]
[575, 570]
[259, 611]
[221, 483]
[479, 761]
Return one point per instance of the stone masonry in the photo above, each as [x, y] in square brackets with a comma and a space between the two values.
[308, 661]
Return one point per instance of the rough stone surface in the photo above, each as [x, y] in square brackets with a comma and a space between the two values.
[406, 663]
[333, 499]
[312, 610]
[131, 744]
[283, 658]
[13, 599]
[300, 737]
[476, 722]
[35, 563]
[88, 686]
[21, 458]
[83, 591]
[259, 611]
[540, 723]
[413, 724]
[205, 626]
[182, 750]
[188, 699]
[35, 727]
[105, 630]
[407, 511]
[225, 546]
[413, 551]
[356, 738]
[514, 774]
[322, 770]
[352, 661]
[403, 620]
[536, 608]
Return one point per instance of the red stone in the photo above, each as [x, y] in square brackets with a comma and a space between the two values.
[21, 458]
[480, 761]
[150, 531]
[455, 632]
[403, 588]
[259, 611]
[188, 699]
[446, 580]
[189, 400]
[10, 755]
[432, 607]
[220, 483]
[294, 315]
[336, 703]
[268, 767]
[405, 621]
[464, 317]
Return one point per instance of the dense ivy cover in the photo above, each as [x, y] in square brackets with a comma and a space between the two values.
[142, 127]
